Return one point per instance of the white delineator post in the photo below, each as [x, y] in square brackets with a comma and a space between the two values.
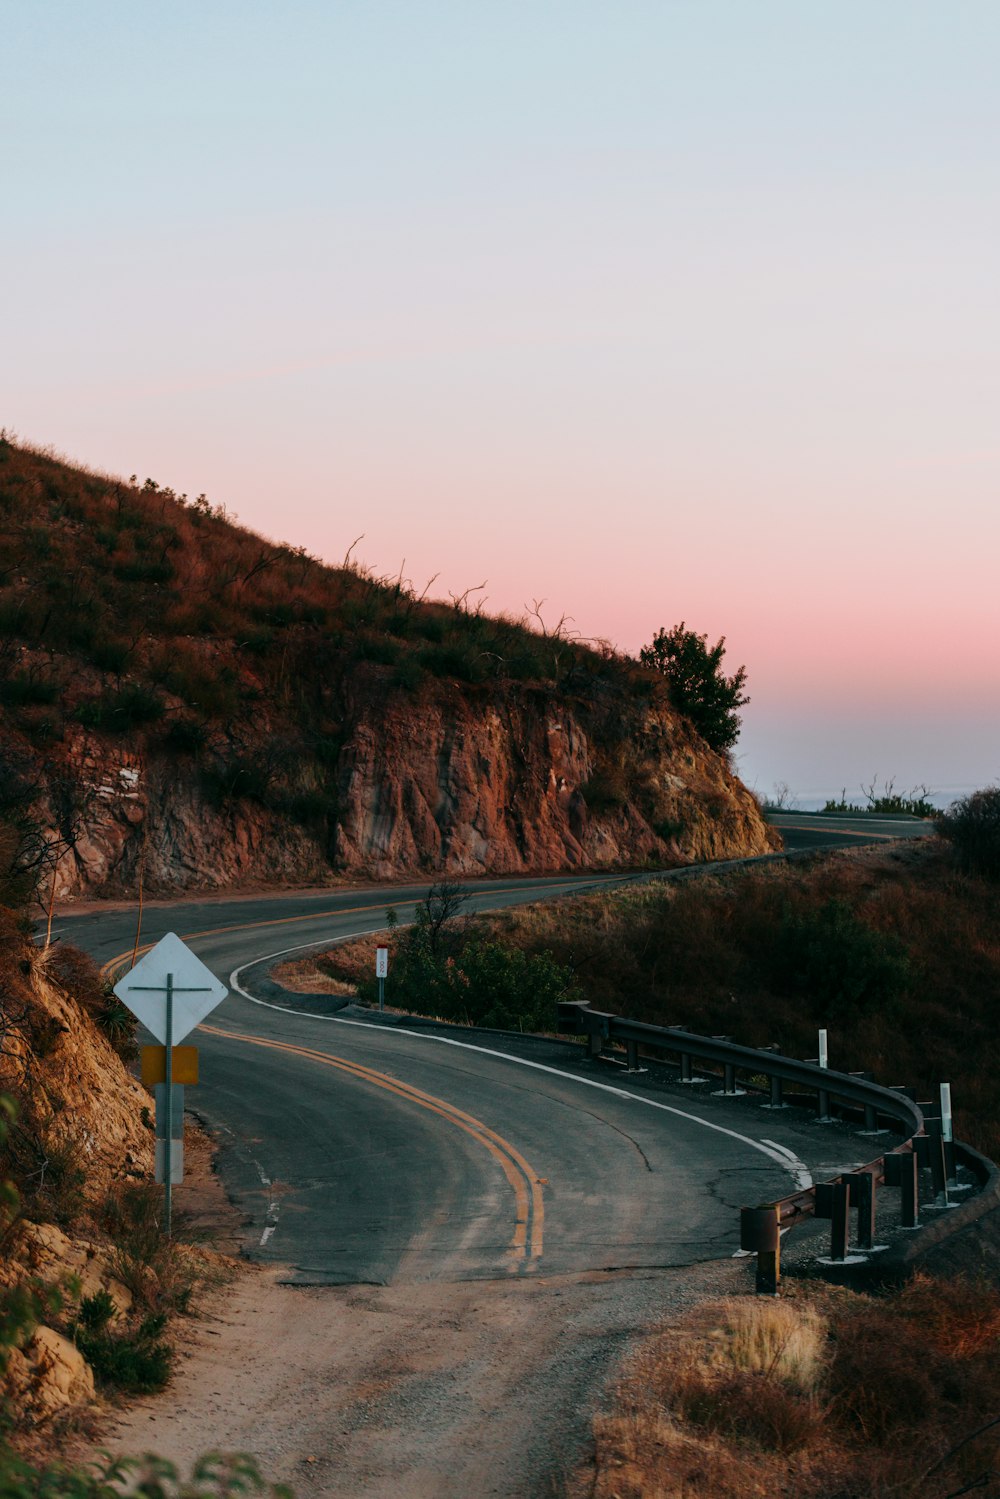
[823, 1062]
[948, 1135]
[381, 971]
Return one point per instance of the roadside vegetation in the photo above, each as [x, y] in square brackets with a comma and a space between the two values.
[65, 1215]
[825, 1394]
[698, 686]
[135, 621]
[888, 802]
[145, 615]
[894, 950]
[446, 969]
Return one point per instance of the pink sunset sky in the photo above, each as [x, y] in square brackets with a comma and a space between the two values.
[654, 311]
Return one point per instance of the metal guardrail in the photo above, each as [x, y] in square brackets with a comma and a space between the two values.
[922, 1145]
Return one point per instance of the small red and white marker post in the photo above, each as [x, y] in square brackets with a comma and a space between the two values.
[381, 973]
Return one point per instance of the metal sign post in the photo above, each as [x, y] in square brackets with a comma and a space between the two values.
[168, 1097]
[167, 1006]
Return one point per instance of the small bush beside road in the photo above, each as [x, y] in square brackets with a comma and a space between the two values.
[972, 827]
[825, 1394]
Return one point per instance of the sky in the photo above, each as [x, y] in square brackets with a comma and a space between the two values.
[653, 312]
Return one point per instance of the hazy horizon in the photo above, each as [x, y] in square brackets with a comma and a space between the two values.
[656, 312]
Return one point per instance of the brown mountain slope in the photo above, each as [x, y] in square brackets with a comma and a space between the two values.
[181, 694]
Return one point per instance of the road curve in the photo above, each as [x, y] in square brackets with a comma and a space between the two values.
[466, 1178]
[815, 830]
[362, 1152]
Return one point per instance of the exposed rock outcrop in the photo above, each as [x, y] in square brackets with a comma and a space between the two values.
[453, 781]
[187, 702]
[46, 1375]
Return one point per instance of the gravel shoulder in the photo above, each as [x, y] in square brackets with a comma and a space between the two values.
[411, 1390]
[416, 1390]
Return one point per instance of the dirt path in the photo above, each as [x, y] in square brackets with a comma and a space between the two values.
[414, 1391]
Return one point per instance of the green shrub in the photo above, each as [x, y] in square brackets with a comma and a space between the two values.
[606, 790]
[49, 1168]
[698, 688]
[185, 736]
[216, 1476]
[461, 662]
[145, 570]
[131, 1215]
[843, 966]
[481, 983]
[376, 649]
[311, 807]
[119, 1026]
[244, 777]
[24, 690]
[972, 827]
[408, 674]
[136, 1362]
[110, 654]
[120, 710]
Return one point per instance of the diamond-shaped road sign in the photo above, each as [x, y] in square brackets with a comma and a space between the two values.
[195, 989]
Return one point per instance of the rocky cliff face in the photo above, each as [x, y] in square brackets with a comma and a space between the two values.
[186, 702]
[509, 785]
[453, 782]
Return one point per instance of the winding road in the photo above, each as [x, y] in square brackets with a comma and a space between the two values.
[364, 1152]
[401, 1154]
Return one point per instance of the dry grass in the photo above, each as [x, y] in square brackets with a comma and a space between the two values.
[776, 1339]
[305, 976]
[824, 1395]
[707, 954]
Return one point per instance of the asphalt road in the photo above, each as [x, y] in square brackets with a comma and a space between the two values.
[365, 1152]
[802, 830]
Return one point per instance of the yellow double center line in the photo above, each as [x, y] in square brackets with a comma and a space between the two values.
[526, 1246]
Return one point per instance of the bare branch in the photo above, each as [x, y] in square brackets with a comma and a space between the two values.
[347, 555]
[461, 600]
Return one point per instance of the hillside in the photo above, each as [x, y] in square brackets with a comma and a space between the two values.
[184, 697]
[891, 948]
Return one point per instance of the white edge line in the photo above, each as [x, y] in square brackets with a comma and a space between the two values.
[784, 1157]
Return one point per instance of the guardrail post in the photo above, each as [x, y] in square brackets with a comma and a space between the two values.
[777, 1100]
[910, 1201]
[729, 1078]
[871, 1119]
[632, 1053]
[862, 1185]
[685, 1067]
[840, 1220]
[760, 1234]
[823, 1106]
[938, 1163]
[901, 1171]
[595, 1043]
[833, 1201]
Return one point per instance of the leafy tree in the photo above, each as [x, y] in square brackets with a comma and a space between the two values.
[442, 902]
[698, 687]
[972, 826]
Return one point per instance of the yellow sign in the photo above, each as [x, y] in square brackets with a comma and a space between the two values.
[154, 1065]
